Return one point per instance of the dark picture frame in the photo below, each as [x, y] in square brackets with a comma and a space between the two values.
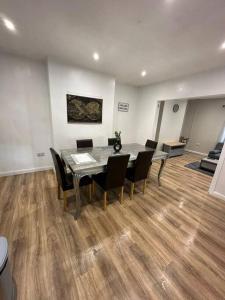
[82, 109]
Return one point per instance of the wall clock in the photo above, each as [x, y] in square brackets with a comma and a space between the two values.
[176, 108]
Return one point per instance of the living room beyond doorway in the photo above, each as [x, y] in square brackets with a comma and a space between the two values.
[193, 126]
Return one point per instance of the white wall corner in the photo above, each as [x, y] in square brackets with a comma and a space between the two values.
[217, 195]
[217, 187]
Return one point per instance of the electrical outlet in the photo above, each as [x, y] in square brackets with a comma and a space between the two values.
[40, 154]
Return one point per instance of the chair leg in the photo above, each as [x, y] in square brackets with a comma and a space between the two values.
[105, 200]
[93, 188]
[90, 193]
[149, 171]
[65, 200]
[59, 189]
[121, 195]
[144, 186]
[131, 190]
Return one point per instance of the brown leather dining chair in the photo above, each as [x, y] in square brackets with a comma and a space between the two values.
[140, 170]
[65, 180]
[87, 143]
[114, 176]
[151, 144]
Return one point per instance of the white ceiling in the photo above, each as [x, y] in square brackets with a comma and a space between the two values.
[168, 38]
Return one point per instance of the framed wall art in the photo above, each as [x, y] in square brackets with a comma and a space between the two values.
[81, 109]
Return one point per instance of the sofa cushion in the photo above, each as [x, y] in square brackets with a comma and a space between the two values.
[215, 154]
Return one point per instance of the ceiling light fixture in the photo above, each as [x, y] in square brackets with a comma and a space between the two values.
[223, 46]
[143, 73]
[96, 56]
[9, 24]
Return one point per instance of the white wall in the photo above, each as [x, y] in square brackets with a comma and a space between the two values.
[172, 122]
[27, 119]
[24, 115]
[204, 84]
[126, 121]
[64, 79]
[203, 124]
[217, 187]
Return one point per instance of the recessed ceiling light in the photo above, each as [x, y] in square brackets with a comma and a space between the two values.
[9, 24]
[96, 56]
[143, 73]
[223, 46]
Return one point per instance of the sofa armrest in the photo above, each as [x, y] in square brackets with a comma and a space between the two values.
[214, 152]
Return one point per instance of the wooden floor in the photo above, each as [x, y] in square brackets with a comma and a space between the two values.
[166, 244]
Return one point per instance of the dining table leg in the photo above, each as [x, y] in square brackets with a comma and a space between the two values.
[76, 184]
[162, 165]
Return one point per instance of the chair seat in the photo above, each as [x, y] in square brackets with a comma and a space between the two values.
[86, 180]
[130, 174]
[100, 179]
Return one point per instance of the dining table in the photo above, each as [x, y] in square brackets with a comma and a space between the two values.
[97, 162]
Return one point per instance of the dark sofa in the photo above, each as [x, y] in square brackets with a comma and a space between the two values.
[215, 154]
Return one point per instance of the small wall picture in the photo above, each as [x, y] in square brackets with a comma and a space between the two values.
[81, 109]
[122, 106]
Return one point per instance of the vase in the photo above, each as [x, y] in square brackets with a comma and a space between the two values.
[117, 146]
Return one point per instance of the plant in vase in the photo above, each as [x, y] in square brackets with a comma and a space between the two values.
[117, 146]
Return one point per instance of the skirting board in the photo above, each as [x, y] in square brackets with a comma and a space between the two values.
[196, 152]
[32, 170]
[217, 195]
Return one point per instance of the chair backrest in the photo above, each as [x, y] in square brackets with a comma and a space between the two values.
[88, 143]
[142, 165]
[219, 146]
[151, 144]
[116, 170]
[111, 141]
[59, 169]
